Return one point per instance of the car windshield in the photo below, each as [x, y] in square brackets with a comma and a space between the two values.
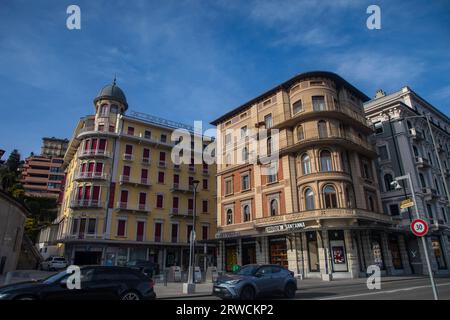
[247, 271]
[55, 278]
[59, 259]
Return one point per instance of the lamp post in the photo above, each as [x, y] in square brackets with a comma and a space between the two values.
[189, 287]
[396, 185]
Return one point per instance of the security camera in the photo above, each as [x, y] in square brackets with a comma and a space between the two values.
[396, 185]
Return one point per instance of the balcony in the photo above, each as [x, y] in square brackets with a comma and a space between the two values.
[191, 168]
[422, 162]
[175, 212]
[416, 134]
[93, 154]
[314, 138]
[161, 164]
[176, 167]
[128, 157]
[142, 138]
[91, 176]
[205, 172]
[177, 188]
[310, 111]
[123, 179]
[125, 206]
[430, 193]
[85, 204]
[146, 161]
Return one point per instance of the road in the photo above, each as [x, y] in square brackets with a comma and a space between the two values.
[408, 289]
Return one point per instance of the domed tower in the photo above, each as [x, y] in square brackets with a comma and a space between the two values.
[109, 103]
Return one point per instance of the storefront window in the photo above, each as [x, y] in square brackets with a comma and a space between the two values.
[395, 252]
[313, 251]
[122, 256]
[437, 249]
[248, 251]
[230, 256]
[278, 251]
[338, 253]
[377, 251]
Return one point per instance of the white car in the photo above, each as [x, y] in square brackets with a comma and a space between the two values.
[54, 263]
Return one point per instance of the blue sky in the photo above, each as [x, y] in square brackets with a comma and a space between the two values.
[195, 60]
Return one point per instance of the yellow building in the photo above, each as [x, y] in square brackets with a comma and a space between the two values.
[124, 197]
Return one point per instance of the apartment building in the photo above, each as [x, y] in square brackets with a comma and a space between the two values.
[320, 214]
[125, 198]
[54, 147]
[42, 176]
[405, 145]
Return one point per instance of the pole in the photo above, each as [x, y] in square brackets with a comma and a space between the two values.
[438, 160]
[424, 244]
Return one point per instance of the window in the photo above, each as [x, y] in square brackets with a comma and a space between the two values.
[415, 151]
[322, 129]
[229, 216]
[274, 207]
[91, 226]
[394, 210]
[318, 103]
[129, 149]
[371, 205]
[378, 127]
[228, 139]
[245, 154]
[121, 228]
[130, 131]
[104, 110]
[366, 170]
[75, 226]
[297, 106]
[325, 161]
[246, 211]
[269, 146]
[205, 184]
[329, 193]
[383, 153]
[243, 131]
[160, 177]
[158, 231]
[114, 108]
[436, 184]
[245, 182]
[268, 121]
[309, 199]
[205, 206]
[300, 133]
[146, 155]
[204, 232]
[123, 198]
[387, 182]
[140, 229]
[159, 201]
[163, 138]
[306, 164]
[142, 200]
[147, 134]
[174, 233]
[430, 213]
[422, 180]
[228, 186]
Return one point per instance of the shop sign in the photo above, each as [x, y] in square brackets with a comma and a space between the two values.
[406, 203]
[285, 227]
[225, 235]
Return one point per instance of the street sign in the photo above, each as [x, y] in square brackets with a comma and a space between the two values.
[406, 203]
[419, 227]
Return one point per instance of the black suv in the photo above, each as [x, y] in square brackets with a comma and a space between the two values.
[97, 282]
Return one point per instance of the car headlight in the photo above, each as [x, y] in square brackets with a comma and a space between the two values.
[233, 281]
[4, 295]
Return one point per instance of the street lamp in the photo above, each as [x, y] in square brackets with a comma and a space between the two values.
[397, 186]
[189, 287]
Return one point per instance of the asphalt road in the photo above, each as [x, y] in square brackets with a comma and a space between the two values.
[409, 289]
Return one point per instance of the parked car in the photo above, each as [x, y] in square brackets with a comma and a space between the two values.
[255, 280]
[97, 283]
[53, 263]
[147, 267]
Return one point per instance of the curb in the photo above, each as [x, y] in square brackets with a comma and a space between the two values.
[184, 296]
[354, 284]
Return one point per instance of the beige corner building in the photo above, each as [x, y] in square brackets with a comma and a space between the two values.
[320, 214]
[125, 199]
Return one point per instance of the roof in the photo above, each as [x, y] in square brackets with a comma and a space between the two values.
[113, 92]
[287, 84]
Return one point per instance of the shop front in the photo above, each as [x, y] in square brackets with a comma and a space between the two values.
[338, 251]
[248, 251]
[278, 250]
[231, 254]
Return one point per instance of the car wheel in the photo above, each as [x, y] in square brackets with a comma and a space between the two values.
[130, 295]
[289, 290]
[247, 293]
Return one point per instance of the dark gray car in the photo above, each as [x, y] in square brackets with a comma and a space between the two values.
[255, 280]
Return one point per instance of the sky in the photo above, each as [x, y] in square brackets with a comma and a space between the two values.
[189, 60]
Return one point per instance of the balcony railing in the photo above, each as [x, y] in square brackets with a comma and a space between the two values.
[146, 161]
[93, 153]
[127, 207]
[161, 164]
[128, 157]
[177, 187]
[126, 179]
[86, 203]
[183, 214]
[91, 175]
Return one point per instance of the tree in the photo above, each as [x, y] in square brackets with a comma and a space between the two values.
[13, 162]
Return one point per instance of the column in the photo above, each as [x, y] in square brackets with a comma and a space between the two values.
[367, 248]
[220, 253]
[387, 256]
[352, 254]
[404, 255]
[239, 252]
[262, 256]
[304, 254]
[325, 267]
[294, 254]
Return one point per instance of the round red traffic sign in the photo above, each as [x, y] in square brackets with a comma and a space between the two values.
[419, 227]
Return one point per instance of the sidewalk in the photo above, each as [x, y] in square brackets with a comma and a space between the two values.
[175, 290]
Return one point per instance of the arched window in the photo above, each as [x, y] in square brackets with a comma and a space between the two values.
[300, 133]
[422, 180]
[309, 199]
[273, 207]
[387, 182]
[306, 164]
[229, 216]
[246, 213]
[325, 161]
[329, 193]
[322, 128]
[245, 154]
